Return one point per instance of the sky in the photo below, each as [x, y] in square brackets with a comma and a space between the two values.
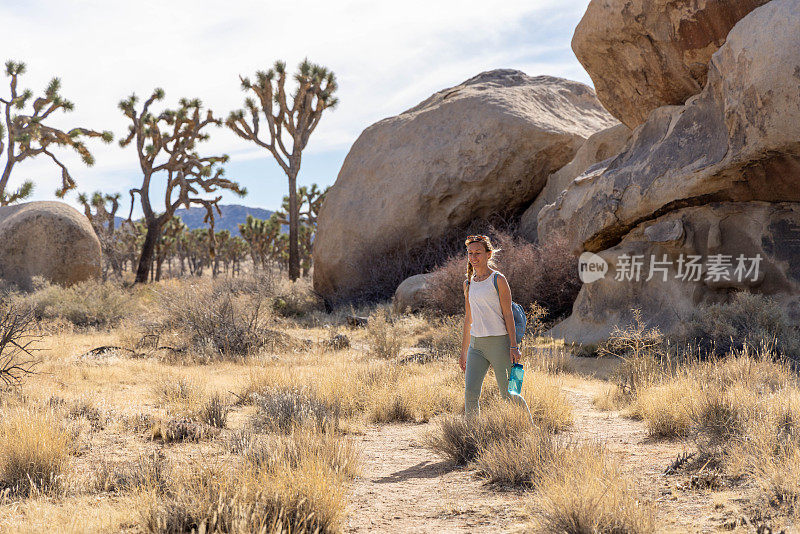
[387, 56]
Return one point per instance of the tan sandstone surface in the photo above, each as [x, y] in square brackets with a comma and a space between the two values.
[479, 148]
[644, 54]
[47, 239]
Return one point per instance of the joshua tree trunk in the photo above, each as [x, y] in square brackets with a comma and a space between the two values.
[294, 234]
[149, 247]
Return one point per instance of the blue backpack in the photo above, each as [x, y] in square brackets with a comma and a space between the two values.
[520, 321]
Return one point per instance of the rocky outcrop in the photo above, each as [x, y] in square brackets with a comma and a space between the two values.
[689, 257]
[47, 239]
[598, 148]
[483, 147]
[411, 293]
[739, 140]
[644, 54]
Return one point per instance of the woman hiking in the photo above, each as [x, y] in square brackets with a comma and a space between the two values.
[488, 324]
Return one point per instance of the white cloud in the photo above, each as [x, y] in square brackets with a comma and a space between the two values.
[387, 55]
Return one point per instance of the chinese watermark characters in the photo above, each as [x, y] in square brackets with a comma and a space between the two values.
[714, 268]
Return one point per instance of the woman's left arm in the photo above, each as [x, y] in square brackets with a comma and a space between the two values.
[508, 316]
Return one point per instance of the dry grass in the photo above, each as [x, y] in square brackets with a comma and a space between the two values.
[385, 340]
[35, 449]
[295, 484]
[585, 491]
[743, 414]
[519, 461]
[461, 439]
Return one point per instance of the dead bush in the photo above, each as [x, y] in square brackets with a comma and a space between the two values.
[88, 304]
[518, 461]
[643, 352]
[287, 408]
[384, 338]
[17, 337]
[218, 323]
[749, 320]
[585, 492]
[545, 273]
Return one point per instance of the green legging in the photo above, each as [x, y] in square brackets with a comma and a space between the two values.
[482, 352]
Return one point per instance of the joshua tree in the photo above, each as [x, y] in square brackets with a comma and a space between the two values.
[310, 202]
[103, 222]
[289, 126]
[24, 136]
[167, 144]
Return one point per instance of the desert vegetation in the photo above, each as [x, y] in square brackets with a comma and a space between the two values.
[237, 404]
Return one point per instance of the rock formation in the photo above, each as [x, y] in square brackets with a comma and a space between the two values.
[598, 148]
[717, 178]
[411, 293]
[644, 54]
[482, 147]
[47, 239]
[738, 140]
[688, 257]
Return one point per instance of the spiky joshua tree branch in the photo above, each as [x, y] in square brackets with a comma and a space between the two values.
[290, 120]
[25, 135]
[167, 143]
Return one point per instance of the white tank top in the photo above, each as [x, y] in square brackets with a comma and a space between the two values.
[484, 305]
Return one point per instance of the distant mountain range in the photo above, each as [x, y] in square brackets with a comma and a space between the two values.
[232, 215]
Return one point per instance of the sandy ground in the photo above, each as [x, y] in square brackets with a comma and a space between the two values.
[406, 488]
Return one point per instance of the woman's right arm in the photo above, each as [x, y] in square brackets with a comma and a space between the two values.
[462, 361]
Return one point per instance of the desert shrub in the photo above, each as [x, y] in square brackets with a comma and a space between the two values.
[544, 273]
[461, 439]
[518, 461]
[116, 477]
[585, 491]
[220, 323]
[384, 338]
[445, 337]
[89, 303]
[35, 448]
[297, 485]
[181, 429]
[287, 408]
[748, 320]
[214, 412]
[643, 352]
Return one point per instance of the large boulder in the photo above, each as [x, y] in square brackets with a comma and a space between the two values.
[597, 149]
[668, 288]
[410, 294]
[739, 140]
[47, 239]
[644, 54]
[483, 147]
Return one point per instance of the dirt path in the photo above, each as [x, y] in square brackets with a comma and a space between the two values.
[406, 489]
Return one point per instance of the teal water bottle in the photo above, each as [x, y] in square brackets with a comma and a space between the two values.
[515, 375]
